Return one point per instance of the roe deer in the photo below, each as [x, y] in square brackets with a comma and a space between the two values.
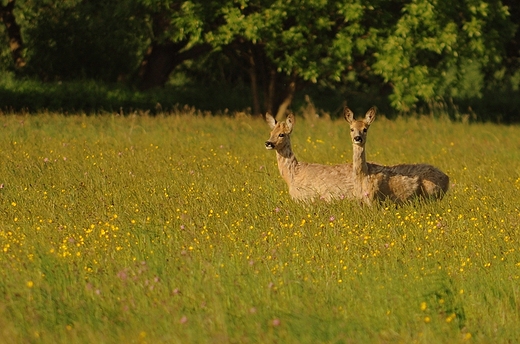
[307, 182]
[398, 183]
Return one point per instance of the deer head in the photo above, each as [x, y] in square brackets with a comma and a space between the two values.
[359, 129]
[280, 132]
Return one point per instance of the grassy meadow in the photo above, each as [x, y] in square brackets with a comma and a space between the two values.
[179, 229]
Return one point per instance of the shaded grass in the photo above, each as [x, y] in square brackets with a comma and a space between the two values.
[178, 228]
[92, 97]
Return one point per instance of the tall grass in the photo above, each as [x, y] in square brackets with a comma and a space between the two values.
[178, 228]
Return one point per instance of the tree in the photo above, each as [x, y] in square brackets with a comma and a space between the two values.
[417, 51]
[423, 49]
[442, 48]
[75, 39]
[286, 46]
[280, 46]
[13, 33]
[176, 36]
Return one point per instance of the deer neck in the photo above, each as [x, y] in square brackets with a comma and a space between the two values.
[359, 161]
[287, 163]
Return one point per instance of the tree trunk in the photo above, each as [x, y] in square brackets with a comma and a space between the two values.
[252, 68]
[270, 92]
[246, 56]
[288, 98]
[13, 33]
[254, 91]
[279, 93]
[161, 60]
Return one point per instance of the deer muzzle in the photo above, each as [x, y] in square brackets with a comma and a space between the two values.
[358, 139]
[269, 145]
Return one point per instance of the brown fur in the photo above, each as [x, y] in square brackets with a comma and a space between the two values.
[307, 182]
[398, 183]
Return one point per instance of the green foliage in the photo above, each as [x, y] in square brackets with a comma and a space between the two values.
[412, 52]
[179, 228]
[427, 54]
[312, 39]
[85, 39]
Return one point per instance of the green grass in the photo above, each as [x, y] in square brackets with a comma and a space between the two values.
[179, 229]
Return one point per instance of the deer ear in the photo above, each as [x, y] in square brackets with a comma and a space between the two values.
[370, 115]
[348, 114]
[290, 122]
[270, 120]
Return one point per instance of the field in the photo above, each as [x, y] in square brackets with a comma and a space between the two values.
[179, 229]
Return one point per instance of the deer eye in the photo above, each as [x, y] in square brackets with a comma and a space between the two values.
[351, 129]
[281, 135]
[365, 130]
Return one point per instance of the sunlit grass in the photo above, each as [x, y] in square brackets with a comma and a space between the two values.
[179, 228]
